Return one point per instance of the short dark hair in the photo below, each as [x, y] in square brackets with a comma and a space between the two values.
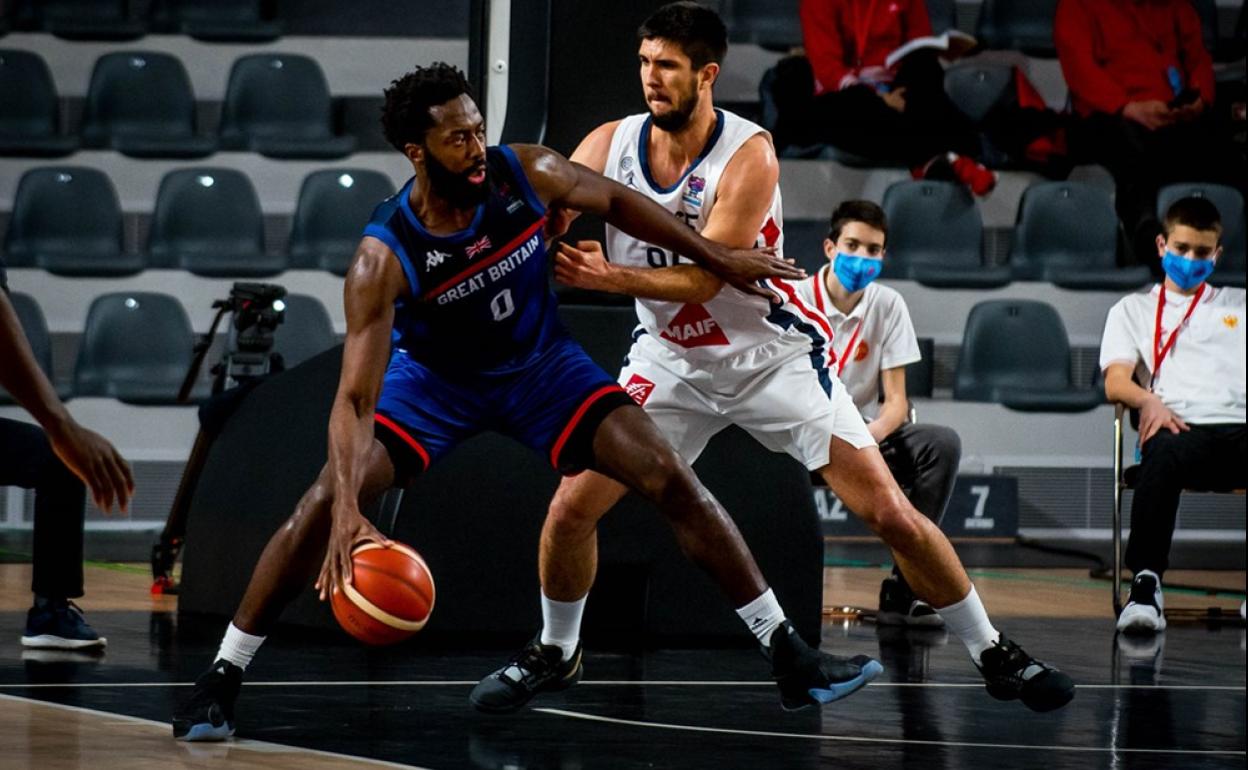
[1196, 213]
[405, 117]
[868, 213]
[698, 31]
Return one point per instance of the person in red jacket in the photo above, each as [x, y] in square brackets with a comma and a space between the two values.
[857, 104]
[1142, 82]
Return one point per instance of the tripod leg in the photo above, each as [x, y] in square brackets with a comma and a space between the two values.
[165, 551]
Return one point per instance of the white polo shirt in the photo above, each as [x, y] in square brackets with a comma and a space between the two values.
[884, 337]
[1202, 376]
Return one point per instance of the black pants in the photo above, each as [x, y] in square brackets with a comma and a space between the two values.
[924, 461]
[1206, 457]
[27, 461]
[1143, 161]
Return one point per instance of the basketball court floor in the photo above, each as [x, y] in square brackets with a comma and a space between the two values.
[318, 700]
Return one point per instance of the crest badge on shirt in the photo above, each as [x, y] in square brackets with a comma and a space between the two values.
[1230, 321]
[861, 353]
[693, 191]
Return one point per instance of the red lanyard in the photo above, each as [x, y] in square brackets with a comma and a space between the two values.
[1159, 352]
[848, 352]
[862, 28]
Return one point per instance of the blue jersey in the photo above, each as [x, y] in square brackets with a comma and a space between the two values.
[479, 299]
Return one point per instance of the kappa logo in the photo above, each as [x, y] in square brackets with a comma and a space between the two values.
[435, 258]
[693, 327]
[638, 389]
[478, 246]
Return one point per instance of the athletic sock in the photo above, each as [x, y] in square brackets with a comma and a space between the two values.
[968, 620]
[561, 623]
[763, 615]
[239, 647]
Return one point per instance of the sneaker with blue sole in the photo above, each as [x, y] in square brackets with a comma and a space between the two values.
[808, 677]
[208, 715]
[58, 624]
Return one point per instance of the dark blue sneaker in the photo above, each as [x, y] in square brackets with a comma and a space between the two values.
[808, 677]
[208, 715]
[58, 624]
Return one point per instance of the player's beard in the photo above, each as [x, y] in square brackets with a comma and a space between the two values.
[454, 187]
[678, 116]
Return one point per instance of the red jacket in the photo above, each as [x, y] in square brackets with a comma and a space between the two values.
[1118, 51]
[832, 29]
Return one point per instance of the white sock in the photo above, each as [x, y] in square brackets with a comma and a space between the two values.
[968, 620]
[561, 623]
[239, 647]
[763, 615]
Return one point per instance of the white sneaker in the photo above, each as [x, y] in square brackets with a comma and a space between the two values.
[1145, 610]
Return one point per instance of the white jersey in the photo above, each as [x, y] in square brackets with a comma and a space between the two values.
[733, 322]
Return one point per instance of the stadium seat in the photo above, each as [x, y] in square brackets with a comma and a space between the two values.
[943, 14]
[1208, 12]
[90, 19]
[1016, 353]
[219, 21]
[935, 236]
[136, 348]
[334, 205]
[921, 374]
[770, 24]
[1025, 25]
[279, 105]
[30, 119]
[140, 103]
[36, 328]
[1067, 233]
[305, 331]
[803, 242]
[1230, 205]
[976, 87]
[67, 220]
[208, 221]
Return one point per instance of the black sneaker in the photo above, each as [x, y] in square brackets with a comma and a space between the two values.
[208, 715]
[58, 624]
[1011, 673]
[808, 677]
[900, 607]
[536, 668]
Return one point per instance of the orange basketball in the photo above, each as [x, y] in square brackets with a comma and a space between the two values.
[390, 595]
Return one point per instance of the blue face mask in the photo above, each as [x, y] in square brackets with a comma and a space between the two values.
[855, 273]
[1186, 273]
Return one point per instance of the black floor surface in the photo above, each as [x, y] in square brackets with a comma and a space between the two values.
[1176, 704]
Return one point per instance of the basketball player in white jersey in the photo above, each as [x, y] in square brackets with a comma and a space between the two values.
[707, 355]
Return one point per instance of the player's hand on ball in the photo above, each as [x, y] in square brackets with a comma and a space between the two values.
[349, 529]
[583, 266]
[743, 268]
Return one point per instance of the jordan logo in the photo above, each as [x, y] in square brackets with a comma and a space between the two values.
[693, 327]
[638, 389]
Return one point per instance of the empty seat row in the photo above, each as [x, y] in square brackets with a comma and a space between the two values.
[140, 103]
[207, 221]
[239, 21]
[137, 346]
[1065, 233]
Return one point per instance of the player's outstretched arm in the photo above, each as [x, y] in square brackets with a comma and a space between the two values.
[373, 283]
[562, 183]
[86, 453]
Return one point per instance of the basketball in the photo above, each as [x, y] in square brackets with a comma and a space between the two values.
[390, 597]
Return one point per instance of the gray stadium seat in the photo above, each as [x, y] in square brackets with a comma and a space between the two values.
[35, 327]
[208, 221]
[1230, 205]
[1067, 233]
[29, 108]
[140, 103]
[305, 331]
[219, 21]
[334, 205]
[1024, 25]
[976, 87]
[920, 375]
[771, 24]
[279, 105]
[935, 237]
[136, 348]
[803, 242]
[90, 19]
[1016, 353]
[67, 220]
[943, 14]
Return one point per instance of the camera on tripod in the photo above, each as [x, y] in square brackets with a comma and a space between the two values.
[256, 311]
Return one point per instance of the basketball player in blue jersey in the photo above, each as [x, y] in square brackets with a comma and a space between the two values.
[451, 330]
